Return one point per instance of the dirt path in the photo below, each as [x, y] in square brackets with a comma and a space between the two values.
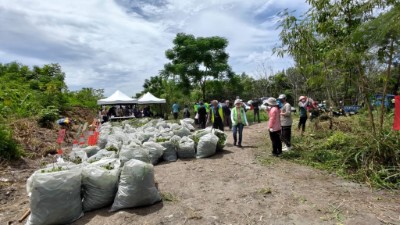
[234, 188]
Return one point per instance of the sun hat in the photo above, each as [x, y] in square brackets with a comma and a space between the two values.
[237, 101]
[272, 101]
[282, 96]
[302, 97]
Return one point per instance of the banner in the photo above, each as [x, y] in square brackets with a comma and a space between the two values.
[396, 122]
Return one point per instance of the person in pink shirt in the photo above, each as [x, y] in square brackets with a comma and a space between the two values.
[274, 126]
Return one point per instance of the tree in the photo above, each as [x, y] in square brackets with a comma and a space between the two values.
[383, 33]
[195, 60]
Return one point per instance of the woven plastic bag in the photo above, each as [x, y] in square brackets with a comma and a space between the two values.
[182, 132]
[207, 146]
[156, 151]
[169, 152]
[91, 150]
[100, 155]
[186, 148]
[134, 151]
[136, 186]
[55, 195]
[100, 183]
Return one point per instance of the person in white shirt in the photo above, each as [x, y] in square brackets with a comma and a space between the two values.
[286, 123]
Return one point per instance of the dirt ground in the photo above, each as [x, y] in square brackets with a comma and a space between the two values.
[232, 187]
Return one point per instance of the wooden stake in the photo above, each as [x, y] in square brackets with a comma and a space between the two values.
[26, 214]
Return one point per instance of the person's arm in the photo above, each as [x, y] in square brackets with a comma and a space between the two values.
[288, 110]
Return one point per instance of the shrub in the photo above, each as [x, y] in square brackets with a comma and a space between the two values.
[48, 116]
[9, 148]
[337, 141]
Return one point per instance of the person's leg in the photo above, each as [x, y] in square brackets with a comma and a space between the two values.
[289, 137]
[283, 137]
[218, 124]
[304, 124]
[215, 125]
[234, 129]
[271, 136]
[240, 126]
[276, 143]
[221, 125]
[203, 123]
[286, 135]
[258, 115]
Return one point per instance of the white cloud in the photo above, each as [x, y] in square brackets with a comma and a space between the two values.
[117, 44]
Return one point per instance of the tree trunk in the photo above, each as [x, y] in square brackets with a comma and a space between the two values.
[364, 89]
[397, 85]
[385, 84]
[203, 89]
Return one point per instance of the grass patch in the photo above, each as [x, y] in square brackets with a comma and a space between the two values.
[265, 191]
[250, 116]
[168, 197]
[349, 150]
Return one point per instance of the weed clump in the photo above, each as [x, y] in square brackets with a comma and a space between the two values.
[9, 149]
[351, 150]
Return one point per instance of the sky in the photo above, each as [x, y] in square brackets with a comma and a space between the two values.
[117, 44]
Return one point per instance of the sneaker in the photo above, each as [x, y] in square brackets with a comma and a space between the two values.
[240, 146]
[285, 148]
[289, 148]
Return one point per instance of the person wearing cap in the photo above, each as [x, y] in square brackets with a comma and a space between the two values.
[227, 114]
[175, 110]
[239, 119]
[201, 111]
[216, 115]
[286, 122]
[303, 103]
[274, 126]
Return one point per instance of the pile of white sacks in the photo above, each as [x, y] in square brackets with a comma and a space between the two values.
[118, 171]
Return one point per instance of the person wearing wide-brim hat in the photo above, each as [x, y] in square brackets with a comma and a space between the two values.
[239, 120]
[286, 122]
[274, 126]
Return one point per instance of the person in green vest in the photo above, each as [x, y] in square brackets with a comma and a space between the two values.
[239, 120]
[207, 107]
[216, 115]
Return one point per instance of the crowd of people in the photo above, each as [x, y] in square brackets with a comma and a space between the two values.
[106, 113]
[279, 125]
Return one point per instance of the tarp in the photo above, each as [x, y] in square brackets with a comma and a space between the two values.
[148, 98]
[117, 98]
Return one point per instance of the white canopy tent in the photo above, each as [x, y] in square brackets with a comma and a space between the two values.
[148, 98]
[117, 98]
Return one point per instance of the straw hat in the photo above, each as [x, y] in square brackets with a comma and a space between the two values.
[272, 101]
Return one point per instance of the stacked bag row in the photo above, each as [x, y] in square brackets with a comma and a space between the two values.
[118, 172]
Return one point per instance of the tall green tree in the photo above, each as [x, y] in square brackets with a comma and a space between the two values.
[196, 60]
